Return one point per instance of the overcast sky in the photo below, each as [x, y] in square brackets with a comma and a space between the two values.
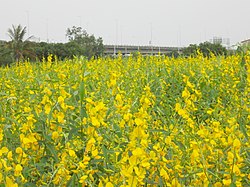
[133, 22]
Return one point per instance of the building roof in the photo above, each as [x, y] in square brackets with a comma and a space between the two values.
[246, 41]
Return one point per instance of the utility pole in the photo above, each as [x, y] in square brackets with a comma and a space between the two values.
[180, 35]
[121, 34]
[80, 21]
[151, 38]
[116, 37]
[151, 33]
[179, 39]
[47, 29]
[116, 32]
[28, 22]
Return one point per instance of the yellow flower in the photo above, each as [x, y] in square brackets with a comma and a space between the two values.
[164, 174]
[109, 184]
[60, 99]
[27, 109]
[18, 170]
[175, 183]
[100, 184]
[60, 117]
[55, 135]
[145, 164]
[183, 113]
[89, 100]
[95, 122]
[83, 178]
[31, 92]
[26, 141]
[185, 93]
[47, 108]
[190, 85]
[94, 152]
[226, 182]
[4, 150]
[10, 183]
[19, 150]
[1, 177]
[230, 157]
[236, 143]
[236, 170]
[138, 152]
[195, 155]
[132, 181]
[4, 163]
[72, 153]
[177, 107]
[90, 144]
[47, 91]
[1, 136]
[62, 76]
[139, 121]
[218, 184]
[127, 117]
[118, 98]
[64, 93]
[210, 111]
[9, 156]
[86, 159]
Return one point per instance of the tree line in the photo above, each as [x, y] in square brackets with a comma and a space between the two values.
[80, 44]
[206, 48]
[19, 49]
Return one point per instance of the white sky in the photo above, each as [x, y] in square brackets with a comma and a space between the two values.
[171, 22]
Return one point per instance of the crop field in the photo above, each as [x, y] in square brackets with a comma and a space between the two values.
[127, 122]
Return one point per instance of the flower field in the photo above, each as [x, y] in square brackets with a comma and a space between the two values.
[127, 122]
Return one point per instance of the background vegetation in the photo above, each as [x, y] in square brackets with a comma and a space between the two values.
[81, 43]
[19, 49]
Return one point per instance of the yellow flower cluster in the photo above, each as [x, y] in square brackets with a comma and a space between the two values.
[128, 122]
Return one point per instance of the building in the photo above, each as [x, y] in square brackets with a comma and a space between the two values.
[245, 42]
[144, 50]
[225, 42]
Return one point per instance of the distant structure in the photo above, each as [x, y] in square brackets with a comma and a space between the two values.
[144, 50]
[245, 42]
[225, 42]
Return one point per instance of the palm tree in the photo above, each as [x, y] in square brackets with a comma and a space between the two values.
[19, 46]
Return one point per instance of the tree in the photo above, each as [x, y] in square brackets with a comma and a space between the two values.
[19, 47]
[5, 58]
[206, 48]
[217, 49]
[190, 50]
[76, 33]
[89, 45]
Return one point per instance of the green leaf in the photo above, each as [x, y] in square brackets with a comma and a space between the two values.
[117, 130]
[72, 181]
[82, 91]
[52, 152]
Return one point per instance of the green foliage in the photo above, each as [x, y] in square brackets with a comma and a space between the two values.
[133, 121]
[242, 49]
[5, 58]
[19, 49]
[206, 48]
[88, 43]
[62, 51]
[190, 50]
